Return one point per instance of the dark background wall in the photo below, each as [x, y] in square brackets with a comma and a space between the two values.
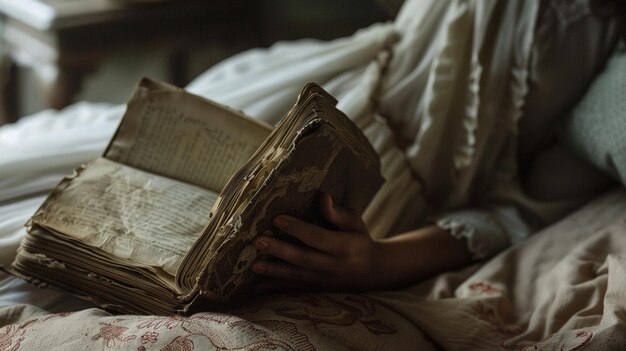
[275, 20]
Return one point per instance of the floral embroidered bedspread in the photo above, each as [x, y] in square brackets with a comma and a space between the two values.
[564, 289]
[290, 322]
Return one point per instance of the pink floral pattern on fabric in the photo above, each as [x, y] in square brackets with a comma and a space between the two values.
[112, 334]
[158, 322]
[289, 323]
[180, 343]
[334, 310]
[57, 315]
[296, 322]
[220, 330]
[223, 332]
[484, 288]
[11, 336]
[149, 337]
[576, 341]
[573, 341]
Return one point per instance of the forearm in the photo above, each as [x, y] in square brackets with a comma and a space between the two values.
[418, 255]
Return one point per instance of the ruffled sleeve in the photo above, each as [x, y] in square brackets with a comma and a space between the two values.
[487, 230]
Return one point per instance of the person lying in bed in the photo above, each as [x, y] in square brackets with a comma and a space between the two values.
[550, 180]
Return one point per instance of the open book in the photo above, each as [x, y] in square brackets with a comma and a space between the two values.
[162, 223]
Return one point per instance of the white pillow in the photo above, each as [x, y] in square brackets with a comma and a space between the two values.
[596, 127]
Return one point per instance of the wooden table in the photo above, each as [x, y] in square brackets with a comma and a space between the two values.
[63, 40]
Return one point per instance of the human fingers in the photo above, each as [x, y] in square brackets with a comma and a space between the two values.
[298, 255]
[310, 234]
[285, 271]
[343, 218]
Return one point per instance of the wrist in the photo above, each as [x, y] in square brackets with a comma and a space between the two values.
[388, 266]
[417, 255]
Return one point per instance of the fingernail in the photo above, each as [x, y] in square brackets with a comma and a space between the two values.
[261, 244]
[281, 222]
[258, 268]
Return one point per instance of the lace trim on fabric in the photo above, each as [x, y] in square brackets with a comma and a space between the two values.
[462, 230]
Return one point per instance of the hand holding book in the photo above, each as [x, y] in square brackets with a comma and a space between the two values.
[341, 259]
[348, 259]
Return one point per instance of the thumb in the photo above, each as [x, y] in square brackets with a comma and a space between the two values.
[343, 218]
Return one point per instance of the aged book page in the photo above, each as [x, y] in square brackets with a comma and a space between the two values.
[173, 133]
[129, 213]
